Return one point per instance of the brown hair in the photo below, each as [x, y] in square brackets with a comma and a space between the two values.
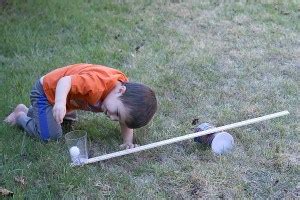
[141, 103]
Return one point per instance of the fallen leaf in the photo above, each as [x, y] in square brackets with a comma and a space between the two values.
[195, 121]
[5, 192]
[117, 36]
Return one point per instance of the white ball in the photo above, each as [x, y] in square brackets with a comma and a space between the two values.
[222, 143]
[74, 151]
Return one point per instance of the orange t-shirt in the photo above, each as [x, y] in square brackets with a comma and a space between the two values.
[89, 86]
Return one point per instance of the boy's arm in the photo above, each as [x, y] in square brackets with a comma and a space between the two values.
[62, 89]
[127, 135]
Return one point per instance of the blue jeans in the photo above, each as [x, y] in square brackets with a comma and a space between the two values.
[39, 121]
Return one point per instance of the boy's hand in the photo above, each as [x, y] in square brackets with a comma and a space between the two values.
[128, 146]
[59, 112]
[127, 135]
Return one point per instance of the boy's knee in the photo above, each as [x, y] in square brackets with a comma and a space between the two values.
[55, 132]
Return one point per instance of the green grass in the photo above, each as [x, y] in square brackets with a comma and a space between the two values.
[216, 61]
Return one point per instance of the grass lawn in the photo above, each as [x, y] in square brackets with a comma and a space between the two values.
[216, 61]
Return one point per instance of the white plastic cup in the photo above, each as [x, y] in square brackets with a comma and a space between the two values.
[205, 139]
[222, 143]
[77, 146]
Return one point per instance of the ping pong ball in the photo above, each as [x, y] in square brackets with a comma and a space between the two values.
[74, 151]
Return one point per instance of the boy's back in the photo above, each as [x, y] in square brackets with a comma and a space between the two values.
[89, 82]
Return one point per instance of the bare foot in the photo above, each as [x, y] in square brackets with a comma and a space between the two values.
[11, 118]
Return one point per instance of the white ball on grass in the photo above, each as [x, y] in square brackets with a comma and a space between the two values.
[74, 151]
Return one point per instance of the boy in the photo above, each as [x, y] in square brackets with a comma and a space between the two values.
[87, 87]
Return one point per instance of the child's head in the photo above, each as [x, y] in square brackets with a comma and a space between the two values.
[141, 104]
[133, 104]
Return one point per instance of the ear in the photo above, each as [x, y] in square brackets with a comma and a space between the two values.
[122, 89]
